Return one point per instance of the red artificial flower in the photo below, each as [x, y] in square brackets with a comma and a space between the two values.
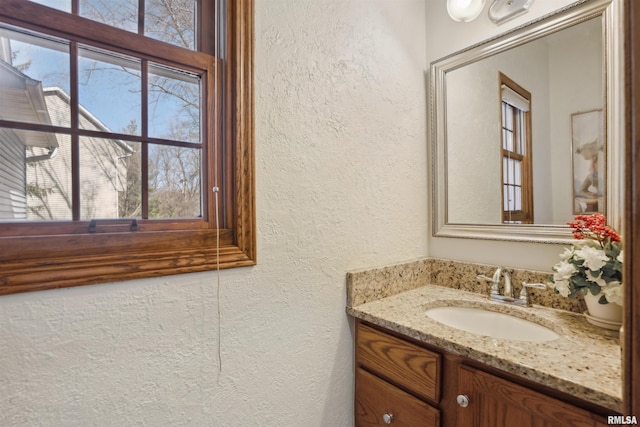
[593, 227]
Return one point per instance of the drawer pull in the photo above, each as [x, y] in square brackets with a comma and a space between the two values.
[387, 418]
[463, 400]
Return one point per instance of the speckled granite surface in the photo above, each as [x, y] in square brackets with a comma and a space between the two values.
[370, 285]
[584, 361]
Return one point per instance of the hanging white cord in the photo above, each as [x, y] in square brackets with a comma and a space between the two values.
[216, 189]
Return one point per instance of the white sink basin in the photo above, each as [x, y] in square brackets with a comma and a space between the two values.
[491, 323]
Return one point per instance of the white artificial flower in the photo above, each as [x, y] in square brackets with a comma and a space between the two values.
[567, 254]
[564, 270]
[613, 292]
[594, 258]
[562, 286]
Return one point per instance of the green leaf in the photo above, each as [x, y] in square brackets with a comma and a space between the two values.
[579, 281]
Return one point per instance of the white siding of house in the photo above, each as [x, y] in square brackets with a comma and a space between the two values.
[13, 202]
[98, 169]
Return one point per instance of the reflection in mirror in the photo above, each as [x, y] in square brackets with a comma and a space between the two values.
[561, 74]
[522, 129]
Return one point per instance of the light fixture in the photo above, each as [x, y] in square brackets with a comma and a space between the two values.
[503, 10]
[465, 10]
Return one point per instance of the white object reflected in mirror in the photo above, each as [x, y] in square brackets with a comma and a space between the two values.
[504, 10]
[465, 10]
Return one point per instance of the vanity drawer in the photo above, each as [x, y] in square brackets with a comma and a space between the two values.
[407, 365]
[376, 400]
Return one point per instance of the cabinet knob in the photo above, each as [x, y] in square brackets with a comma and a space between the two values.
[463, 400]
[387, 418]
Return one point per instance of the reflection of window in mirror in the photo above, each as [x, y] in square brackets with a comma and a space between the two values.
[517, 182]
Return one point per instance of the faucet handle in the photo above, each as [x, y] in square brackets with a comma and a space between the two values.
[484, 278]
[534, 285]
[495, 281]
[524, 295]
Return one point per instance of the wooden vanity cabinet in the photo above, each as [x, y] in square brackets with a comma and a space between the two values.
[379, 402]
[401, 382]
[397, 382]
[496, 402]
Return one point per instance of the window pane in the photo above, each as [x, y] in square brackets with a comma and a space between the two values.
[49, 181]
[510, 196]
[35, 177]
[508, 140]
[110, 92]
[129, 184]
[174, 104]
[509, 118]
[505, 170]
[171, 21]
[517, 172]
[63, 5]
[517, 198]
[121, 14]
[103, 176]
[34, 87]
[174, 182]
[520, 130]
[505, 197]
[512, 171]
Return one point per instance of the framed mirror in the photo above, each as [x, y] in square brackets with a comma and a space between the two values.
[526, 128]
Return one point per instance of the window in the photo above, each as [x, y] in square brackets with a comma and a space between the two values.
[118, 120]
[517, 186]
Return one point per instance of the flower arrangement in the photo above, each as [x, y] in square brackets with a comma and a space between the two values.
[592, 264]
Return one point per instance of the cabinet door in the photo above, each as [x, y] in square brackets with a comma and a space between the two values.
[496, 402]
[401, 362]
[379, 403]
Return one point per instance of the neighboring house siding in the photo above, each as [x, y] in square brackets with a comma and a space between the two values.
[101, 170]
[51, 183]
[13, 201]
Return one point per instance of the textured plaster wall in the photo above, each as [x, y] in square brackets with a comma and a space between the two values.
[341, 172]
[582, 52]
[444, 37]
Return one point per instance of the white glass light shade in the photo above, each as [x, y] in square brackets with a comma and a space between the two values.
[464, 10]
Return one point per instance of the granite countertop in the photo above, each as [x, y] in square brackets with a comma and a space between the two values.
[584, 362]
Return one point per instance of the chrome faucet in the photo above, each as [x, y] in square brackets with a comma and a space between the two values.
[507, 290]
[495, 287]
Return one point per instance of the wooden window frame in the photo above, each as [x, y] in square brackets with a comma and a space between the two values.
[38, 256]
[525, 215]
